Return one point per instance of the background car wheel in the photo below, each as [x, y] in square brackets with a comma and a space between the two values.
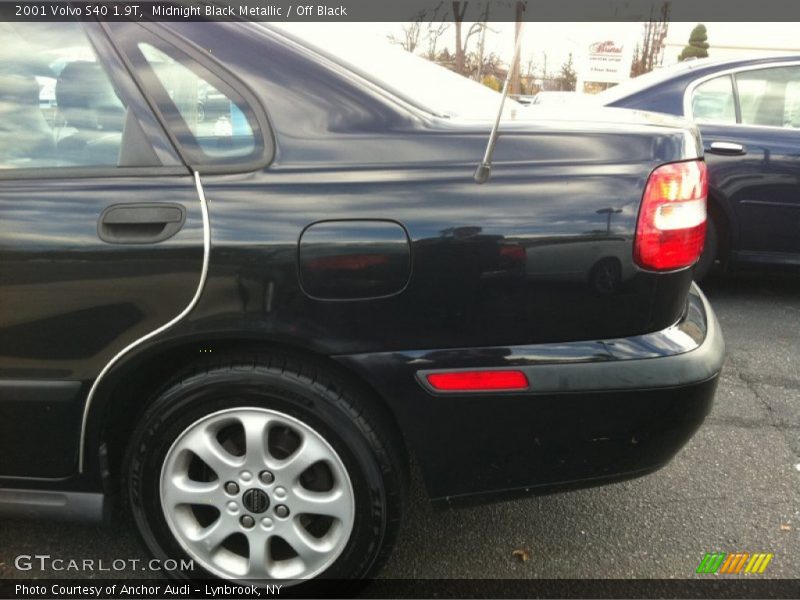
[710, 251]
[266, 469]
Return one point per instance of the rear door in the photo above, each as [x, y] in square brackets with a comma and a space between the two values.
[750, 123]
[101, 234]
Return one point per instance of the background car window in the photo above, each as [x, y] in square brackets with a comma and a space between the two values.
[58, 107]
[769, 97]
[216, 122]
[714, 101]
[793, 104]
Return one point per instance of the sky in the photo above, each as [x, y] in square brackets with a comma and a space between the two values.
[557, 40]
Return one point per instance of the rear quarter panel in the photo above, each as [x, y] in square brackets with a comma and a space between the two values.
[481, 255]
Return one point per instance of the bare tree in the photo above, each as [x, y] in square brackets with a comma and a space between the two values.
[490, 70]
[424, 29]
[518, 10]
[544, 70]
[529, 77]
[482, 42]
[434, 33]
[650, 51]
[412, 33]
[462, 41]
[459, 10]
[437, 27]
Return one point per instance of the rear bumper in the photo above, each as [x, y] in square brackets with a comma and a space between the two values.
[598, 411]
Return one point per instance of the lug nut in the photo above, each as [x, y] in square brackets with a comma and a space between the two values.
[231, 488]
[247, 521]
[266, 477]
[282, 511]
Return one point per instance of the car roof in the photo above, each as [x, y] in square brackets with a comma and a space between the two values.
[700, 66]
[730, 63]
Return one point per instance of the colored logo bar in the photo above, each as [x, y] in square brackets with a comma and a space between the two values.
[734, 563]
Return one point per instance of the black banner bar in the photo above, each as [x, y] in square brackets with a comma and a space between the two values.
[397, 10]
[134, 589]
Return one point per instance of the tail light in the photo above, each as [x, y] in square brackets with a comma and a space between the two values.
[671, 229]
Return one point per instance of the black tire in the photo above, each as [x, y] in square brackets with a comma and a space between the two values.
[356, 428]
[710, 251]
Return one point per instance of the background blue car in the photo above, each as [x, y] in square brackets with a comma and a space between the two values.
[748, 112]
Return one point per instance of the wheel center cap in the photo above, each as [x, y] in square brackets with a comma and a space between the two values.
[255, 500]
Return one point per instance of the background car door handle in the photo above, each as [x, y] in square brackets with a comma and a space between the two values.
[728, 148]
[140, 223]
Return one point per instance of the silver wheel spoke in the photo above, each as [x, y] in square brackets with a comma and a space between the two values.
[258, 566]
[206, 446]
[309, 549]
[310, 451]
[186, 491]
[332, 504]
[255, 439]
[216, 533]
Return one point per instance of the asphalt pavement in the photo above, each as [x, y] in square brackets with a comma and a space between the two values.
[734, 488]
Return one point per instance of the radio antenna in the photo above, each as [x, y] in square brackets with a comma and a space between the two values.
[484, 169]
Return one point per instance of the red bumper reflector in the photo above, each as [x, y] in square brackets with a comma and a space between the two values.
[475, 381]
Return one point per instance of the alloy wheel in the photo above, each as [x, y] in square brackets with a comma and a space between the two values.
[253, 493]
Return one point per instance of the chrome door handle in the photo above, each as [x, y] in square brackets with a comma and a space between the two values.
[727, 148]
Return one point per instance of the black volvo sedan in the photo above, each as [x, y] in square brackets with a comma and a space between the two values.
[244, 323]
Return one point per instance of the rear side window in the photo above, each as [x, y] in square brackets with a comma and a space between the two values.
[208, 116]
[713, 101]
[215, 121]
[769, 97]
[58, 107]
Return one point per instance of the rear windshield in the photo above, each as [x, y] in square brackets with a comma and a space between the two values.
[413, 78]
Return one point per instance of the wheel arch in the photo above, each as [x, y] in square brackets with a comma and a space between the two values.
[134, 383]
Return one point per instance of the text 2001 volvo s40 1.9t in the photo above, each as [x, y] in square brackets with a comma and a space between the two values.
[243, 322]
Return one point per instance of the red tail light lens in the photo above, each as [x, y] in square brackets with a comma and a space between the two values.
[476, 381]
[671, 229]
